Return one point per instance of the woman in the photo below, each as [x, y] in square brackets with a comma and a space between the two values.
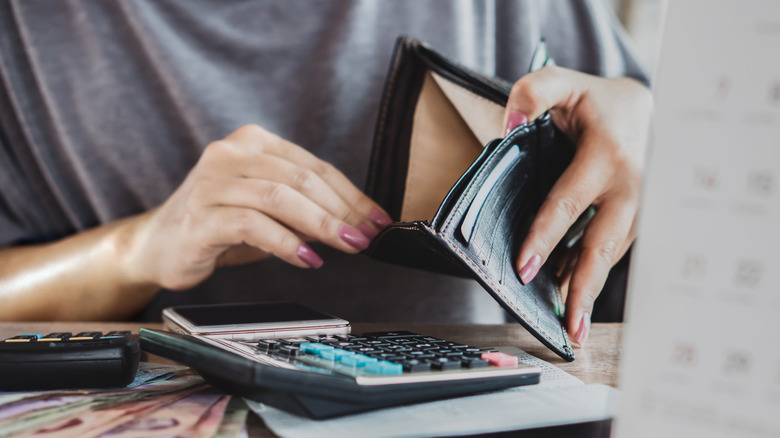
[116, 183]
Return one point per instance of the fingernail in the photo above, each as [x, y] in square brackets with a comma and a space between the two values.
[584, 331]
[514, 120]
[380, 218]
[308, 255]
[367, 230]
[582, 334]
[353, 237]
[530, 269]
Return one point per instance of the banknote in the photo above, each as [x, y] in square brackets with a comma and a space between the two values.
[148, 372]
[36, 418]
[51, 410]
[94, 421]
[173, 419]
[233, 423]
[210, 421]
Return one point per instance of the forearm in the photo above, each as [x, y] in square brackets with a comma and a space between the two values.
[82, 277]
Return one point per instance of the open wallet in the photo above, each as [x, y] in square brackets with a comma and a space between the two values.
[464, 199]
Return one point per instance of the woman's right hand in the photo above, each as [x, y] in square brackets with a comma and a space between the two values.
[250, 195]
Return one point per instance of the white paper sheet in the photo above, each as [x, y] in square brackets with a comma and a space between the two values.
[560, 398]
[700, 355]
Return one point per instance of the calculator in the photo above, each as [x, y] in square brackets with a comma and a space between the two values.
[322, 376]
[65, 360]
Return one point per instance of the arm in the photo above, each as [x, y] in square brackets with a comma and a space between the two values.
[82, 277]
[250, 195]
[609, 121]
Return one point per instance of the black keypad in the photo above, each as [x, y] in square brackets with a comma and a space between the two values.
[381, 353]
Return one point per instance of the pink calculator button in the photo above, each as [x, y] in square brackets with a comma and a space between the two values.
[500, 359]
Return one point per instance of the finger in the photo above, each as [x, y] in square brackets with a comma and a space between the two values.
[539, 91]
[308, 183]
[291, 208]
[280, 147]
[579, 185]
[234, 226]
[602, 246]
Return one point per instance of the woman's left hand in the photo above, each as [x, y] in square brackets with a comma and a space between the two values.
[609, 121]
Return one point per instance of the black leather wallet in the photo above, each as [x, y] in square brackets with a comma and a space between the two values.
[464, 199]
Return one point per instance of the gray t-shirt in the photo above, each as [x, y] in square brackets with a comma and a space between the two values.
[105, 107]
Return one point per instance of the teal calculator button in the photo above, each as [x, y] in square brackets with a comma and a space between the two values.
[340, 354]
[329, 354]
[350, 360]
[384, 368]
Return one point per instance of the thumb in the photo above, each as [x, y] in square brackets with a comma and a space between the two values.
[539, 91]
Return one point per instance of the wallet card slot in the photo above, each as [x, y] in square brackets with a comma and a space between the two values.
[453, 197]
[472, 214]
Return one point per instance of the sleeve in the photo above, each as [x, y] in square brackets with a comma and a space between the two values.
[12, 228]
[586, 35]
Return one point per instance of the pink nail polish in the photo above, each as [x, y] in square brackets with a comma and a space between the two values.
[514, 120]
[308, 255]
[380, 218]
[530, 269]
[353, 237]
[582, 334]
[367, 230]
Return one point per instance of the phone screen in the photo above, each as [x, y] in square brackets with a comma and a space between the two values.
[249, 313]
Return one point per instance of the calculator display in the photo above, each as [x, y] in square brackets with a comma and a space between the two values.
[249, 313]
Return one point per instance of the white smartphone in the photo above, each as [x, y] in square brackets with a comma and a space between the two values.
[252, 321]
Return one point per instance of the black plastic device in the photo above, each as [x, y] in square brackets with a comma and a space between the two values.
[63, 361]
[289, 379]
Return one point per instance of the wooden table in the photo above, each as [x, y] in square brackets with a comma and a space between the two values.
[596, 363]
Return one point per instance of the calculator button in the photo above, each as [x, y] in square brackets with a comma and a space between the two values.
[475, 352]
[24, 338]
[384, 368]
[425, 347]
[415, 365]
[420, 355]
[357, 360]
[451, 354]
[314, 348]
[391, 335]
[292, 341]
[475, 363]
[500, 359]
[86, 336]
[290, 350]
[118, 333]
[339, 354]
[58, 335]
[328, 354]
[268, 345]
[444, 364]
[350, 338]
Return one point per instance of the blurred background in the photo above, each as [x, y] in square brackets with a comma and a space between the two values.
[643, 19]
